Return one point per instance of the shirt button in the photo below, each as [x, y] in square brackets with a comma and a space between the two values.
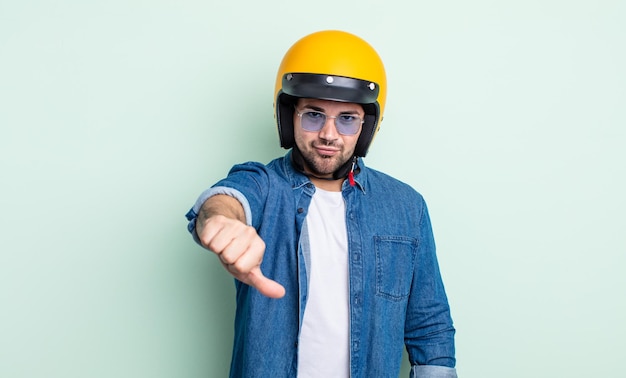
[300, 210]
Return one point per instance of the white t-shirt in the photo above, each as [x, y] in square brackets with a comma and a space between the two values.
[325, 335]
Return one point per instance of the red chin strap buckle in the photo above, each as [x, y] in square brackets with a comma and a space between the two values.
[351, 173]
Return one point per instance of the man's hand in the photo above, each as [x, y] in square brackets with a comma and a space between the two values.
[237, 245]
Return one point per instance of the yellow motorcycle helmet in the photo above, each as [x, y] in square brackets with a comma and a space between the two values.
[331, 65]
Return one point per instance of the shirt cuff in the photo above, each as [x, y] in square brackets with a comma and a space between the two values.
[192, 215]
[432, 371]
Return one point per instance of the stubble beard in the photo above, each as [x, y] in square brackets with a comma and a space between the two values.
[323, 165]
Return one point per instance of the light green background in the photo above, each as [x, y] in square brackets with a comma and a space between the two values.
[508, 116]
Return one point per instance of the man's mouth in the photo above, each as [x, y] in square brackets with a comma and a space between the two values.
[326, 150]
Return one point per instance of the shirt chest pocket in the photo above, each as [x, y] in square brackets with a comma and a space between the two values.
[395, 262]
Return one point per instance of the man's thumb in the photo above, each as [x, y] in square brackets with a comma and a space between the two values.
[264, 285]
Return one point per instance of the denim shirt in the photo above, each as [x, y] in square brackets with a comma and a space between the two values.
[397, 297]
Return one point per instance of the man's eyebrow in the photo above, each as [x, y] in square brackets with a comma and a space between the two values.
[318, 109]
[312, 107]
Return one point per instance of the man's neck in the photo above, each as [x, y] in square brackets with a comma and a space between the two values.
[328, 185]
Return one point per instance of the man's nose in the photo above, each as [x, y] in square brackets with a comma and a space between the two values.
[329, 130]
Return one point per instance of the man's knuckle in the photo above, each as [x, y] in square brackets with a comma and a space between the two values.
[238, 267]
[249, 231]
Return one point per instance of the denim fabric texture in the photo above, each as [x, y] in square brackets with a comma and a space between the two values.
[397, 297]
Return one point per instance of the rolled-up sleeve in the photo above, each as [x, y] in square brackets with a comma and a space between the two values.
[192, 214]
[248, 183]
[429, 330]
[431, 371]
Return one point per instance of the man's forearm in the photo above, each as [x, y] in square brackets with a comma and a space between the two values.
[220, 204]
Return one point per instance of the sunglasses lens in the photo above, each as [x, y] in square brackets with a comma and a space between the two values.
[313, 121]
[346, 124]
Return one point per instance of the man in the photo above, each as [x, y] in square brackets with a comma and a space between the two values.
[334, 262]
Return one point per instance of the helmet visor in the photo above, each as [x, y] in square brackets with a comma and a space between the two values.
[326, 87]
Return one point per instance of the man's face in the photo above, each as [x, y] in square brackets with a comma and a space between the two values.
[326, 150]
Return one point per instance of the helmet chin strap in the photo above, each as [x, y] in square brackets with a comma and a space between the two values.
[344, 171]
